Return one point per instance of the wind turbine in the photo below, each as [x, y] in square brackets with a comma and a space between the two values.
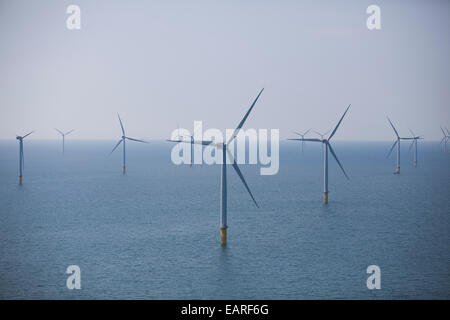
[64, 136]
[397, 142]
[223, 177]
[21, 157]
[322, 135]
[303, 136]
[327, 146]
[445, 138]
[414, 139]
[122, 140]
[191, 141]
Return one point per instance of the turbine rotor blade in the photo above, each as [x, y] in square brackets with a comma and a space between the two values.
[396, 133]
[316, 132]
[60, 132]
[393, 146]
[69, 132]
[337, 126]
[121, 125]
[236, 131]
[27, 134]
[236, 168]
[410, 146]
[118, 143]
[310, 140]
[335, 158]
[137, 140]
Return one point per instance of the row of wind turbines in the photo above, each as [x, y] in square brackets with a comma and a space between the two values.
[225, 151]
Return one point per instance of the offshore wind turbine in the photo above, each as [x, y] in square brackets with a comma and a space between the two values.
[191, 142]
[223, 177]
[327, 146]
[21, 157]
[396, 142]
[64, 136]
[445, 138]
[303, 136]
[414, 139]
[322, 135]
[122, 140]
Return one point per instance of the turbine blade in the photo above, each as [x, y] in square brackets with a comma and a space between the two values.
[396, 133]
[236, 168]
[316, 132]
[443, 139]
[410, 147]
[443, 132]
[411, 132]
[137, 140]
[337, 126]
[120, 141]
[69, 132]
[393, 146]
[59, 131]
[121, 125]
[335, 158]
[307, 132]
[203, 142]
[236, 131]
[310, 140]
[27, 134]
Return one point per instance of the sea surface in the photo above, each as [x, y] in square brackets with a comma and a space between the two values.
[154, 233]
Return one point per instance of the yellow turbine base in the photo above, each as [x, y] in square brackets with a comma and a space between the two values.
[20, 179]
[223, 236]
[123, 169]
[325, 197]
[415, 164]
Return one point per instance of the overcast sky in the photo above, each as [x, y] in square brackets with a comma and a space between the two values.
[162, 62]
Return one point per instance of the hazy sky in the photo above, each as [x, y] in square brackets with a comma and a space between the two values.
[162, 62]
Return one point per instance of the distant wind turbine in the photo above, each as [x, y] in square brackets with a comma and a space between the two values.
[445, 138]
[21, 157]
[326, 143]
[191, 142]
[303, 136]
[122, 140]
[414, 139]
[322, 135]
[396, 142]
[63, 137]
[223, 178]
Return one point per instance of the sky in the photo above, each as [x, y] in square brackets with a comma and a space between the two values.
[159, 63]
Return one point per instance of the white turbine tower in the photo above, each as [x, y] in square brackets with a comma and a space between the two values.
[396, 142]
[223, 177]
[122, 140]
[21, 156]
[327, 146]
[63, 137]
[414, 139]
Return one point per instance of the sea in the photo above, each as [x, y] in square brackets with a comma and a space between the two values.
[154, 232]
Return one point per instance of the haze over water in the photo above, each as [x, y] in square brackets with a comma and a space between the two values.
[154, 233]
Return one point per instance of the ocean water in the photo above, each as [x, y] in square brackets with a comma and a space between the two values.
[154, 233]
